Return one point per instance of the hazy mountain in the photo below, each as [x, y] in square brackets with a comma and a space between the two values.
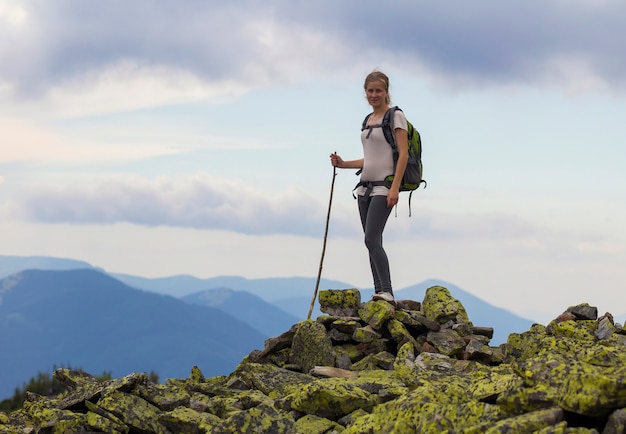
[247, 307]
[269, 289]
[13, 264]
[293, 295]
[89, 320]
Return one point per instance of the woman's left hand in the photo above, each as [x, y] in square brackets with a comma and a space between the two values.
[392, 198]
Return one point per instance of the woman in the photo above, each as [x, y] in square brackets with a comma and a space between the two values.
[376, 201]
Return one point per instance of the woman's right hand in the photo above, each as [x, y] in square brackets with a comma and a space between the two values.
[336, 160]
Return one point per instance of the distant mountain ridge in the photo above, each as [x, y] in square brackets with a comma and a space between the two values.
[14, 264]
[269, 289]
[293, 294]
[254, 311]
[92, 321]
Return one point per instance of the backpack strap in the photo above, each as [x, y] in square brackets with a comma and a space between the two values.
[388, 127]
[386, 124]
[365, 126]
[370, 186]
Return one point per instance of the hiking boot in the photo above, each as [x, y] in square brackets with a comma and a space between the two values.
[387, 296]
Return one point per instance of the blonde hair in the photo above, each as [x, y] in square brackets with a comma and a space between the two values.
[378, 76]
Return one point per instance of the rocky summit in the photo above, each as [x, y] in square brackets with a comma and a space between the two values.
[371, 367]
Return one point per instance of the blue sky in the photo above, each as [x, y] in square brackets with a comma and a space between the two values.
[157, 138]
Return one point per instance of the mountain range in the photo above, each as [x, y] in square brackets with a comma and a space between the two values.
[86, 319]
[56, 311]
[294, 295]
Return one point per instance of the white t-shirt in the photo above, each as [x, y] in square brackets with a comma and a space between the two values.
[378, 155]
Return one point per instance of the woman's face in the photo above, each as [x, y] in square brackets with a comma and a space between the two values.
[376, 93]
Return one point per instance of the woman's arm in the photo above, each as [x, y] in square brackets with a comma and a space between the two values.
[402, 141]
[337, 161]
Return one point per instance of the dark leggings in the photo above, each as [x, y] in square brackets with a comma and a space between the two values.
[374, 214]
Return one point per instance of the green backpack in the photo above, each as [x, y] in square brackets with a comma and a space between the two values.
[412, 178]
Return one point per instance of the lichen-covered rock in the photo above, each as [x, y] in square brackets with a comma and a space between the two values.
[384, 359]
[440, 306]
[376, 313]
[616, 423]
[490, 383]
[540, 421]
[351, 351]
[275, 345]
[261, 419]
[367, 363]
[574, 385]
[165, 397]
[399, 332]
[447, 342]
[84, 387]
[366, 334]
[606, 327]
[312, 424]
[100, 423]
[269, 379]
[185, 420]
[477, 349]
[580, 330]
[521, 346]
[340, 330]
[404, 364]
[312, 346]
[105, 419]
[341, 303]
[134, 411]
[331, 399]
[61, 419]
[426, 409]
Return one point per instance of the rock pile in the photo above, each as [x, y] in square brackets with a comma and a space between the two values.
[371, 367]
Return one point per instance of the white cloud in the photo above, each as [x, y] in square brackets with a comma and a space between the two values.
[124, 86]
[601, 247]
[194, 201]
[12, 12]
[576, 74]
[289, 51]
[25, 142]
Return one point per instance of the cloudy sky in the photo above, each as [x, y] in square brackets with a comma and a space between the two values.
[159, 138]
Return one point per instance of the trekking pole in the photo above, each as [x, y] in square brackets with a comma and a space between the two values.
[319, 273]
